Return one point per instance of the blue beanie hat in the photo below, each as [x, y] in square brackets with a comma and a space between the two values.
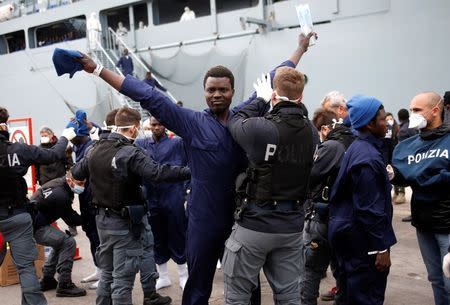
[79, 123]
[362, 109]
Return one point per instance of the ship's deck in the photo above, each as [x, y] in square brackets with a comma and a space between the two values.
[407, 283]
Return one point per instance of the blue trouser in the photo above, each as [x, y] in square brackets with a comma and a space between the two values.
[433, 248]
[89, 226]
[358, 277]
[18, 231]
[169, 223]
[147, 269]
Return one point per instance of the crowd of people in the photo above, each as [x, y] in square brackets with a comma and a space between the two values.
[259, 186]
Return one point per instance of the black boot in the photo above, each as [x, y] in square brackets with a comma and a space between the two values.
[69, 289]
[157, 299]
[48, 283]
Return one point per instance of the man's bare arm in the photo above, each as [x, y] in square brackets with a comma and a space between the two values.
[112, 78]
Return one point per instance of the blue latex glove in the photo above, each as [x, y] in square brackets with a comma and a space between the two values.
[64, 61]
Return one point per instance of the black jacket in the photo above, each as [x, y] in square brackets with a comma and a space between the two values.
[327, 161]
[15, 163]
[45, 173]
[54, 201]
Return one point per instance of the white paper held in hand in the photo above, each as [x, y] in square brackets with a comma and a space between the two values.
[305, 21]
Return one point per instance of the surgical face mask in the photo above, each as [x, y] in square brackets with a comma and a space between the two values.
[390, 122]
[45, 140]
[147, 133]
[417, 121]
[77, 189]
[139, 132]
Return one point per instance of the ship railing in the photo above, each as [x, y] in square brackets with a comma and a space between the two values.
[116, 44]
[100, 55]
[27, 7]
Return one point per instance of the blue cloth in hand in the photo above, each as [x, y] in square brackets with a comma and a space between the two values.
[79, 123]
[64, 61]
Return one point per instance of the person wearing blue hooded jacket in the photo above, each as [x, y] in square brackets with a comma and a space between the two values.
[360, 210]
[422, 162]
[214, 158]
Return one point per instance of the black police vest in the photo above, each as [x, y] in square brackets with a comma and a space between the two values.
[284, 174]
[108, 190]
[13, 188]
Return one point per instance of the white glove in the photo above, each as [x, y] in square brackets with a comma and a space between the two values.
[93, 133]
[390, 172]
[263, 87]
[446, 265]
[69, 133]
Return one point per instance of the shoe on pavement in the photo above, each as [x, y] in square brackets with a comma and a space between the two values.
[329, 295]
[407, 219]
[69, 289]
[48, 283]
[93, 277]
[94, 285]
[400, 198]
[157, 299]
[162, 283]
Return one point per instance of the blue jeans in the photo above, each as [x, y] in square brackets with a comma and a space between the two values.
[433, 247]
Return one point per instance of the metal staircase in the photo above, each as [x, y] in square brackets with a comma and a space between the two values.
[104, 57]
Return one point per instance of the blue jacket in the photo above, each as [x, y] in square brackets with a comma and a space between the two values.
[126, 64]
[360, 202]
[422, 162]
[165, 151]
[214, 158]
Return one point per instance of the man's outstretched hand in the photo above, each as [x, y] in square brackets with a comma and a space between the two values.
[303, 41]
[88, 63]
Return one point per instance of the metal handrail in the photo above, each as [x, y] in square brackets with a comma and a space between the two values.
[99, 46]
[140, 62]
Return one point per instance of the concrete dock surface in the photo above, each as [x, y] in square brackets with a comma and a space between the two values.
[407, 282]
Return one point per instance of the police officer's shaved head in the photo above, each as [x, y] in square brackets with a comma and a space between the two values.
[289, 82]
[4, 115]
[111, 117]
[127, 116]
[432, 99]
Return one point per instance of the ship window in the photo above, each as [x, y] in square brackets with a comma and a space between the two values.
[140, 15]
[165, 11]
[64, 30]
[231, 5]
[12, 42]
[117, 15]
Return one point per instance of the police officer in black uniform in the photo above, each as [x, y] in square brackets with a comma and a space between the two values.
[15, 222]
[336, 138]
[268, 231]
[115, 168]
[54, 201]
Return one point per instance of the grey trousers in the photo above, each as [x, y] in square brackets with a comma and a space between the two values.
[18, 231]
[148, 272]
[119, 257]
[61, 257]
[248, 251]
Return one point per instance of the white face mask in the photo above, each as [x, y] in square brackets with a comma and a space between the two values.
[390, 122]
[147, 133]
[45, 140]
[417, 121]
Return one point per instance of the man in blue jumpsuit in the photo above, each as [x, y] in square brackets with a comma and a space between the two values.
[125, 63]
[360, 220]
[166, 204]
[15, 222]
[214, 158]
